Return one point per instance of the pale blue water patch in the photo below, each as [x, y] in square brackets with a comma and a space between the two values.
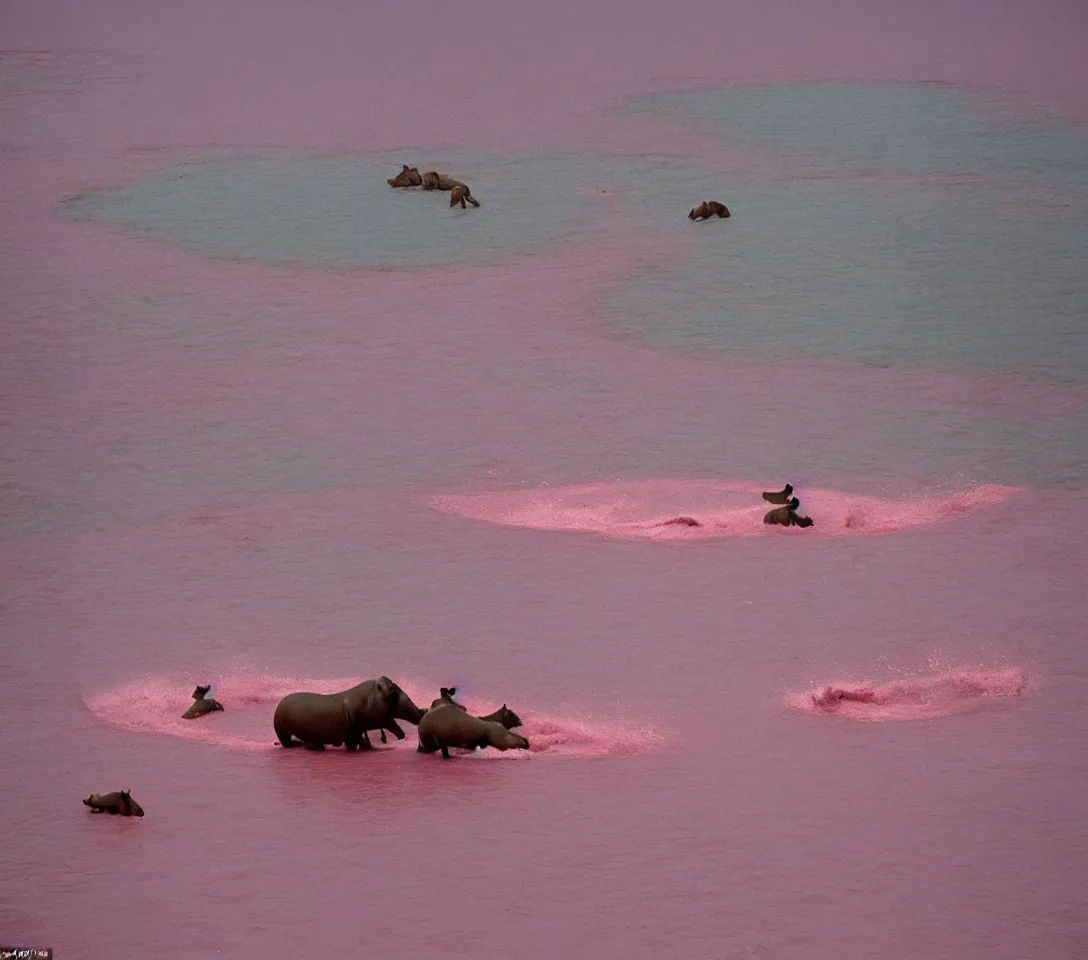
[858, 128]
[989, 273]
[961, 278]
[339, 211]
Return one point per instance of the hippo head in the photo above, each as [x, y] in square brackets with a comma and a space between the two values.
[405, 708]
[794, 503]
[408, 177]
[200, 692]
[446, 699]
[508, 718]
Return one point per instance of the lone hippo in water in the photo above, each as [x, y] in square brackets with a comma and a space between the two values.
[408, 177]
[708, 209]
[201, 704]
[448, 724]
[118, 802]
[831, 697]
[787, 516]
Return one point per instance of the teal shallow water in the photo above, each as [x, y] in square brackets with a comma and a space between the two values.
[869, 253]
[338, 211]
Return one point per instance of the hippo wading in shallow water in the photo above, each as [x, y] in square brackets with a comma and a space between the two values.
[503, 715]
[787, 516]
[118, 802]
[459, 192]
[318, 720]
[448, 724]
[201, 704]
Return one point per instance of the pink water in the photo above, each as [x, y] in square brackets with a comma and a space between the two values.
[298, 478]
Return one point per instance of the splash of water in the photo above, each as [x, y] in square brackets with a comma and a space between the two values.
[155, 704]
[680, 509]
[922, 697]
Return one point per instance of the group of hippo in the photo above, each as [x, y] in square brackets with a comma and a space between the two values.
[460, 193]
[319, 720]
[432, 180]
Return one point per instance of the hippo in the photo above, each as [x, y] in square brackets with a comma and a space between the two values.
[505, 716]
[831, 697]
[447, 724]
[681, 522]
[459, 192]
[317, 720]
[779, 496]
[408, 177]
[786, 516]
[201, 704]
[118, 802]
[708, 209]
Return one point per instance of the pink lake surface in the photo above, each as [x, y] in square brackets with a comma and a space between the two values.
[303, 478]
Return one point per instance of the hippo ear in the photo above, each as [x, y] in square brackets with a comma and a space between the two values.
[406, 167]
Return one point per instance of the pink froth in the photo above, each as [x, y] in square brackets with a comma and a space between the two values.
[701, 509]
[923, 697]
[154, 705]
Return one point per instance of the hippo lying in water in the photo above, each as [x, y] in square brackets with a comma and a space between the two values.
[201, 704]
[448, 724]
[118, 802]
[787, 516]
[708, 209]
[831, 697]
[408, 177]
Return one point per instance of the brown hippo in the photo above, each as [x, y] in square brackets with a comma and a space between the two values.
[120, 801]
[447, 724]
[681, 522]
[318, 720]
[708, 209]
[831, 697]
[201, 704]
[787, 516]
[459, 192]
[408, 177]
[778, 496]
[505, 716]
